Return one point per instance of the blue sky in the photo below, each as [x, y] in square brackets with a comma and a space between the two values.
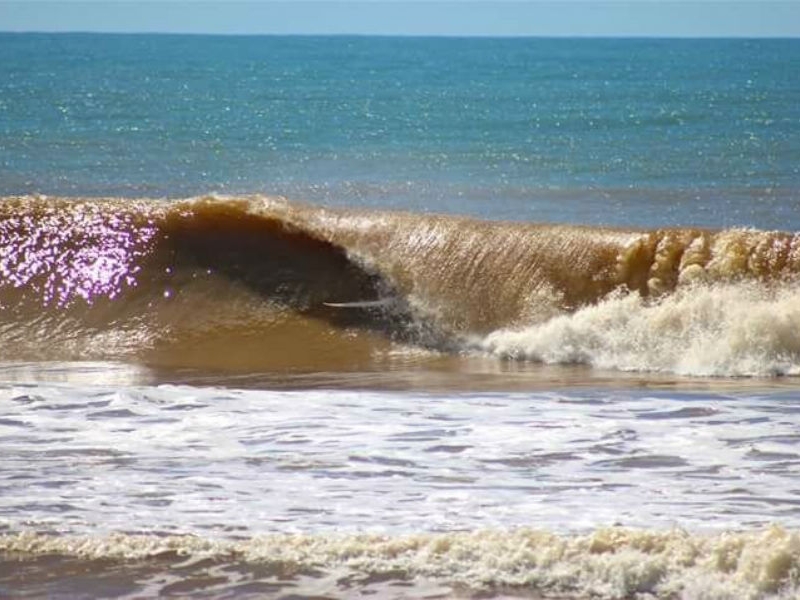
[694, 18]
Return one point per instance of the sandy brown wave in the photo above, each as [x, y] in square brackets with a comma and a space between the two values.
[246, 283]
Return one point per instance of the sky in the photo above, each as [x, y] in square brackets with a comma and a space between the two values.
[688, 18]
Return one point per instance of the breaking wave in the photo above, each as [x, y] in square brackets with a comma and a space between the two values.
[607, 563]
[261, 283]
[742, 329]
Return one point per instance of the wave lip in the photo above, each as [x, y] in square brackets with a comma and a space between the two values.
[606, 563]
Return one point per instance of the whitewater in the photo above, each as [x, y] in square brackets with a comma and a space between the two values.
[221, 491]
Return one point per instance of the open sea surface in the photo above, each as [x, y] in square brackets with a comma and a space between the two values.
[341, 317]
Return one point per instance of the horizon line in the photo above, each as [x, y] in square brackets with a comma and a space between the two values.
[565, 36]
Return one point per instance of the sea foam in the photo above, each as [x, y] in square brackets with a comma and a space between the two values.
[736, 329]
[611, 563]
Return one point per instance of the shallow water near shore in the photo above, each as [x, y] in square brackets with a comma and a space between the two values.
[330, 493]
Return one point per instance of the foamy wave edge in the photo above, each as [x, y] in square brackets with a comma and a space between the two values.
[607, 563]
[726, 330]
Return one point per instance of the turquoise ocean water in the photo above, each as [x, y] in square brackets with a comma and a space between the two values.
[627, 132]
[608, 408]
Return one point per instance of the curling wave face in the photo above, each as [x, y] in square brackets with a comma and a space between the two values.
[262, 283]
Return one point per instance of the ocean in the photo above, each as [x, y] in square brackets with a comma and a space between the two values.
[341, 317]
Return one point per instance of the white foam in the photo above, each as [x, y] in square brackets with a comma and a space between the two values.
[741, 329]
[606, 563]
[175, 459]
